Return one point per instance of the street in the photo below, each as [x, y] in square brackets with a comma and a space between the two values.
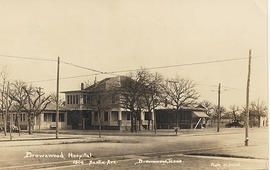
[185, 151]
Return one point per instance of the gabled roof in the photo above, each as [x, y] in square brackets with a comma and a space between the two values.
[101, 84]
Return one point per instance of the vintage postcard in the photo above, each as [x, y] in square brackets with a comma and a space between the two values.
[132, 84]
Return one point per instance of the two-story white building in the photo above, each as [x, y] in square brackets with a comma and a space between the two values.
[84, 105]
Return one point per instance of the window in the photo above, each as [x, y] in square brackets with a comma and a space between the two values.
[45, 117]
[128, 115]
[147, 115]
[84, 99]
[96, 116]
[114, 115]
[106, 116]
[77, 99]
[88, 99]
[91, 98]
[71, 101]
[98, 99]
[68, 102]
[125, 115]
[113, 99]
[53, 117]
[61, 117]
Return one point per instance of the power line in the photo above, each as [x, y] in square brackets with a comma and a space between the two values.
[180, 65]
[82, 67]
[150, 68]
[27, 58]
[63, 78]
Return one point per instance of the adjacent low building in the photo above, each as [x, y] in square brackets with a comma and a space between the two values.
[184, 118]
[45, 120]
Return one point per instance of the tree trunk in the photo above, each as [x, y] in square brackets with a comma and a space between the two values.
[132, 123]
[39, 122]
[135, 123]
[29, 124]
[5, 124]
[99, 125]
[140, 121]
[19, 123]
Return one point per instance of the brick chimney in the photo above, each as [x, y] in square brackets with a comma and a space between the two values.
[82, 86]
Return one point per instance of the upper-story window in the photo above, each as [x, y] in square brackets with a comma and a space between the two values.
[67, 99]
[72, 99]
[76, 99]
[88, 99]
[106, 116]
[113, 99]
[84, 99]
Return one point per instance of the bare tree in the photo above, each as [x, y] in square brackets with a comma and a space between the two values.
[37, 102]
[3, 99]
[61, 101]
[235, 113]
[131, 96]
[19, 95]
[180, 93]
[256, 111]
[152, 91]
[210, 108]
[102, 104]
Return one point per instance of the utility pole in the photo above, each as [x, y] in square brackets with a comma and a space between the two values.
[218, 107]
[57, 98]
[247, 100]
[39, 108]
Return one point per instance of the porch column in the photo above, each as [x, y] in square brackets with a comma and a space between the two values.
[141, 120]
[153, 119]
[120, 118]
[109, 117]
[65, 120]
[142, 115]
[92, 117]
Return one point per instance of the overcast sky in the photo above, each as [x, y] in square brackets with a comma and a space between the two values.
[128, 34]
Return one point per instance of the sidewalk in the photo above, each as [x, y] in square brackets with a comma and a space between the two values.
[160, 132]
[44, 139]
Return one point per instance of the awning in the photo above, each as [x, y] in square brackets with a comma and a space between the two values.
[199, 114]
